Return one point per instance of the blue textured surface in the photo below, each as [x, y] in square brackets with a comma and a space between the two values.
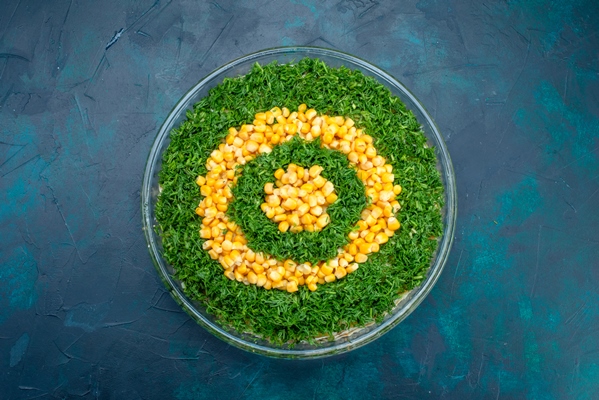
[512, 85]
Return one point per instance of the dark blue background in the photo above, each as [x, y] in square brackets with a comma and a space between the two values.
[514, 88]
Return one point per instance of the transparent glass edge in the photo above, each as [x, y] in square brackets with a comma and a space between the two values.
[421, 292]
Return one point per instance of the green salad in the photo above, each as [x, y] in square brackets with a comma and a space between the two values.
[356, 299]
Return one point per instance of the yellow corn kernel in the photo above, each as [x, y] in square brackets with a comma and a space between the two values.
[310, 114]
[289, 204]
[261, 280]
[315, 131]
[308, 187]
[250, 255]
[275, 276]
[293, 220]
[279, 173]
[290, 129]
[370, 152]
[230, 274]
[291, 286]
[237, 142]
[205, 233]
[268, 188]
[258, 137]
[369, 237]
[303, 209]
[397, 189]
[327, 188]
[316, 211]
[312, 287]
[284, 226]
[361, 258]
[387, 177]
[340, 272]
[252, 146]
[327, 138]
[243, 269]
[217, 156]
[227, 245]
[319, 181]
[273, 200]
[364, 248]
[331, 198]
[306, 219]
[387, 211]
[376, 228]
[292, 178]
[236, 256]
[264, 148]
[370, 220]
[362, 225]
[213, 254]
[330, 278]
[393, 224]
[269, 117]
[322, 221]
[206, 190]
[351, 268]
[290, 265]
[279, 218]
[359, 145]
[200, 180]
[227, 261]
[252, 277]
[260, 258]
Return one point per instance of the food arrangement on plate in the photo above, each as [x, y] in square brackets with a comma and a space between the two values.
[299, 205]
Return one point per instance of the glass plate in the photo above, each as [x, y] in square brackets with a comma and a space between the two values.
[343, 341]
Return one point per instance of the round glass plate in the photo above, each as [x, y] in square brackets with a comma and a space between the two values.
[343, 341]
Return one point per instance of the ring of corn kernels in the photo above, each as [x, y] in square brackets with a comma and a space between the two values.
[377, 224]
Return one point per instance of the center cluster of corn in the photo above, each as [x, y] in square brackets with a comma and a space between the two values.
[300, 200]
[225, 241]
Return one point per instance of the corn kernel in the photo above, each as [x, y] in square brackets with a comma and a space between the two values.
[361, 258]
[393, 223]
